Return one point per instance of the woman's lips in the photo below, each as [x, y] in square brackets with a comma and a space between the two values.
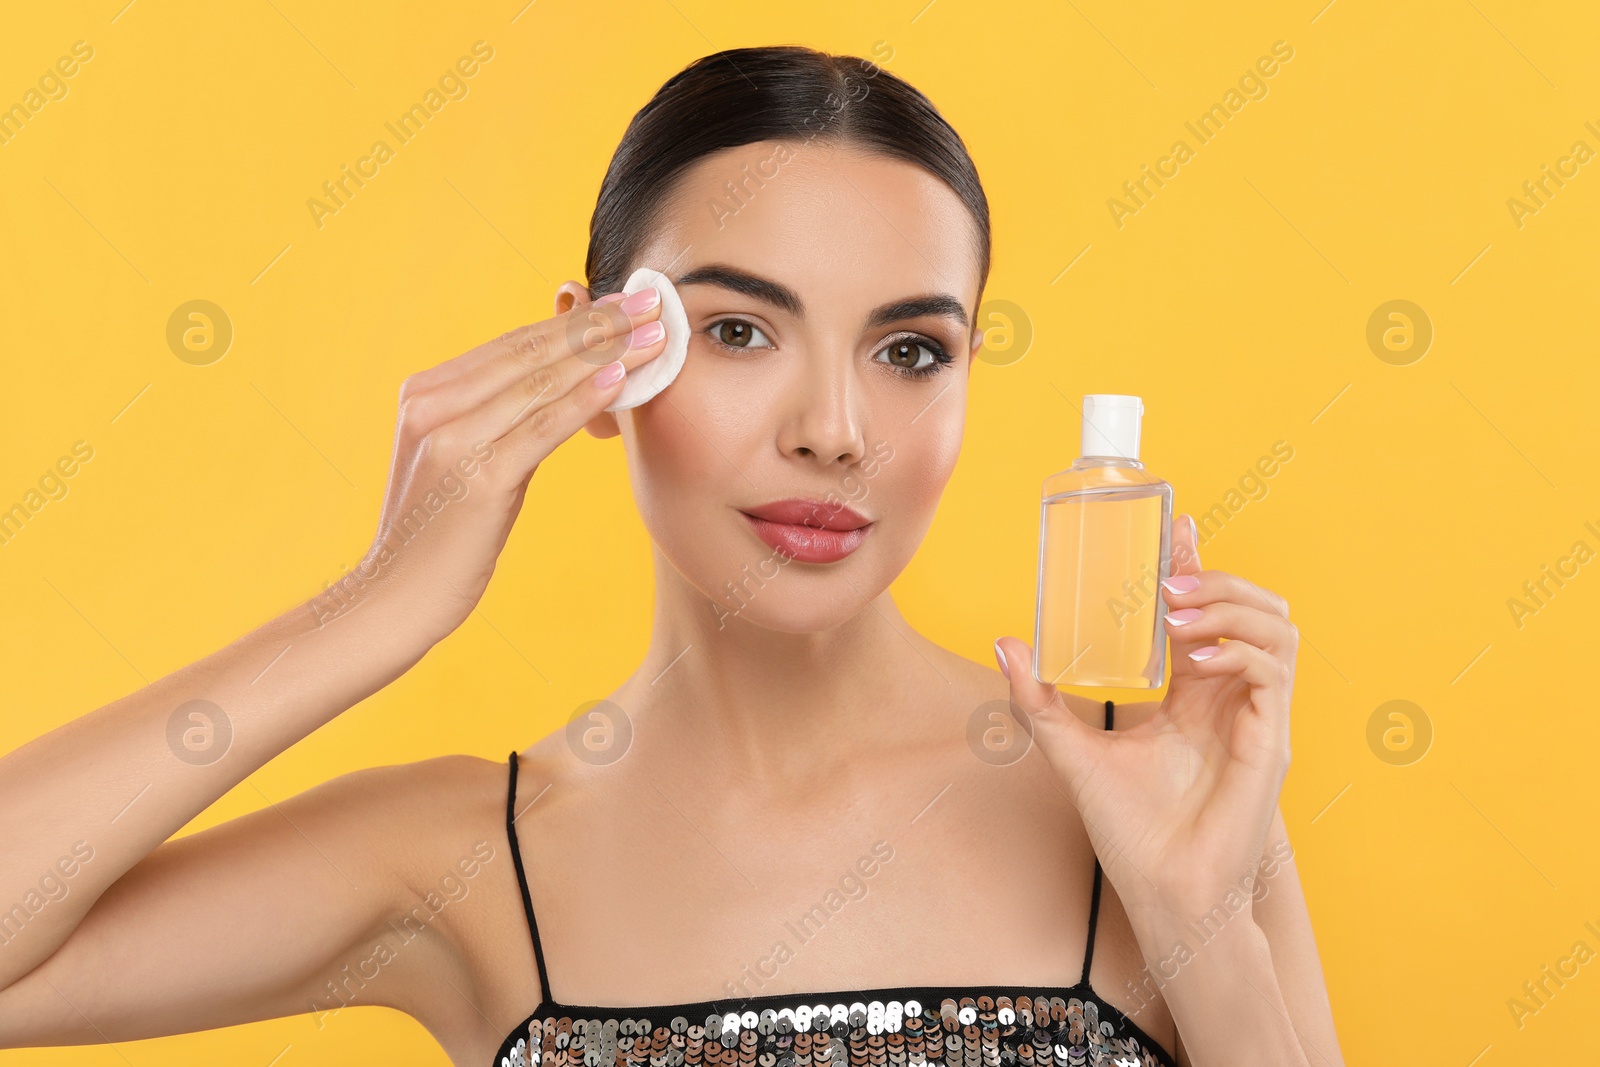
[808, 544]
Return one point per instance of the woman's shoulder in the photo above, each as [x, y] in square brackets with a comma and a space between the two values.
[441, 823]
[467, 789]
[422, 805]
[425, 805]
[451, 779]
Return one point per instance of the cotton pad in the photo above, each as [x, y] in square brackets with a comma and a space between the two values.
[649, 378]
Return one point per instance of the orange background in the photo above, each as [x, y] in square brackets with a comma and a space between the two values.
[1425, 487]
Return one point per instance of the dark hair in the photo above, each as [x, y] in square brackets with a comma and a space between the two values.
[779, 93]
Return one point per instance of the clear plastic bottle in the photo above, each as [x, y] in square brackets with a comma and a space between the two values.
[1105, 544]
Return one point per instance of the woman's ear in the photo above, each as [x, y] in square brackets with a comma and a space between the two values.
[603, 425]
[571, 294]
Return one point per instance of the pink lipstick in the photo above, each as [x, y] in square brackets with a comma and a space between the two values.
[811, 531]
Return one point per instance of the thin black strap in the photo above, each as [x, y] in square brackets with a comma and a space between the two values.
[1094, 898]
[522, 879]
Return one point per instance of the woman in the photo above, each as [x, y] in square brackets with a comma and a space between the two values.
[782, 805]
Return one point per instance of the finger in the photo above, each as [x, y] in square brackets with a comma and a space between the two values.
[548, 424]
[1260, 668]
[1192, 627]
[1196, 587]
[1258, 744]
[506, 410]
[1210, 591]
[1268, 676]
[1071, 745]
[1209, 587]
[1200, 588]
[596, 331]
[473, 357]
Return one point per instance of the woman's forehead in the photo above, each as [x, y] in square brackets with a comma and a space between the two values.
[835, 226]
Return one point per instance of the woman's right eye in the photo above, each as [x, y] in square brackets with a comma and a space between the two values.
[736, 334]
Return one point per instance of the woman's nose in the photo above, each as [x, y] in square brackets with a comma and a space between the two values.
[825, 419]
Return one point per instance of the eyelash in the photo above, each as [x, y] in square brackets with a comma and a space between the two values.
[941, 358]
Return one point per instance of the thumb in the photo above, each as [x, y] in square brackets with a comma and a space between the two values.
[1071, 746]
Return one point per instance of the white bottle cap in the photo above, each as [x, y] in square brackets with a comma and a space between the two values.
[1111, 425]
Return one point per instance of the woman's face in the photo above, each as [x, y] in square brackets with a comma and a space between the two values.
[831, 308]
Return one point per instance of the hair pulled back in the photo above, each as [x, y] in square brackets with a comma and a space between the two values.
[787, 93]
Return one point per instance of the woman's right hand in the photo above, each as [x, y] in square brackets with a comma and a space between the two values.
[469, 435]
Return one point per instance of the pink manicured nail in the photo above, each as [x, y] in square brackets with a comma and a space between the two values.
[1185, 615]
[611, 299]
[609, 375]
[642, 301]
[1001, 657]
[647, 335]
[1204, 653]
[1182, 583]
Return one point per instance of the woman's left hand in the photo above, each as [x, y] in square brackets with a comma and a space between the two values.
[1178, 807]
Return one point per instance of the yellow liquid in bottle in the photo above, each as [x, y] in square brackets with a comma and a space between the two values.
[1102, 552]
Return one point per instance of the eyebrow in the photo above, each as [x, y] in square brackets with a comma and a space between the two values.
[781, 296]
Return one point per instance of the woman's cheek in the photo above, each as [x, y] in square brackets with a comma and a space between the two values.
[663, 460]
[925, 452]
[682, 447]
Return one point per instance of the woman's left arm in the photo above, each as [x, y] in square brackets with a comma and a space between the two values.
[1264, 977]
[1281, 913]
[1181, 807]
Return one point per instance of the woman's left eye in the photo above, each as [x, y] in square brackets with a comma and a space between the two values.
[906, 356]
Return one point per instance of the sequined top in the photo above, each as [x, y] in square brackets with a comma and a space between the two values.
[900, 1026]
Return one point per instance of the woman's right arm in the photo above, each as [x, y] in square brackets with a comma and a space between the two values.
[94, 800]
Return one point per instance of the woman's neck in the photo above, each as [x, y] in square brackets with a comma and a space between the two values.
[748, 699]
